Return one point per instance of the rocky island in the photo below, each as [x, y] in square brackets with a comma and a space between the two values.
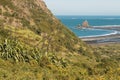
[85, 24]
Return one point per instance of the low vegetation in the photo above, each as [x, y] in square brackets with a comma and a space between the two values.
[28, 63]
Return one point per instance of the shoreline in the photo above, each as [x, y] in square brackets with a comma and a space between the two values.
[113, 38]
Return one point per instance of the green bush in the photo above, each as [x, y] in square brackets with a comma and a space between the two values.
[3, 32]
[7, 14]
[25, 22]
[0, 11]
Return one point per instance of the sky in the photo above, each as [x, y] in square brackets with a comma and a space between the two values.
[84, 7]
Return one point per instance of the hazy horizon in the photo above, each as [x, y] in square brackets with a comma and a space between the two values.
[84, 7]
[83, 15]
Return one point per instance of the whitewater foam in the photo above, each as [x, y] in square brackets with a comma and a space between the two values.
[108, 26]
[113, 33]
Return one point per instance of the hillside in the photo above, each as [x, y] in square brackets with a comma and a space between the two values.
[35, 45]
[37, 23]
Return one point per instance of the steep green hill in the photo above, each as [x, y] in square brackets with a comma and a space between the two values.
[31, 22]
[34, 45]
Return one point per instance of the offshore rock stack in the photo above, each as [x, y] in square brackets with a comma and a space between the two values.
[85, 24]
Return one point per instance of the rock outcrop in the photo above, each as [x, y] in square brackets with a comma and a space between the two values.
[85, 24]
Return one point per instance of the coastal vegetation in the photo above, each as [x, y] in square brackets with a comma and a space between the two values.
[25, 62]
[34, 45]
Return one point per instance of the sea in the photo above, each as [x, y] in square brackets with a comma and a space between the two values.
[95, 21]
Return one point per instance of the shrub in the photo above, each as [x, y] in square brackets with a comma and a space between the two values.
[0, 11]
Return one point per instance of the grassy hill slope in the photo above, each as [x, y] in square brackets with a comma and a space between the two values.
[34, 45]
[38, 25]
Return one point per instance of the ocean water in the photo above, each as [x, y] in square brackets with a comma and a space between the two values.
[96, 21]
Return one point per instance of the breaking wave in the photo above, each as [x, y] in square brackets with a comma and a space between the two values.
[111, 33]
[108, 26]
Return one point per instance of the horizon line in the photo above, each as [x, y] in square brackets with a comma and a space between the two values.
[85, 15]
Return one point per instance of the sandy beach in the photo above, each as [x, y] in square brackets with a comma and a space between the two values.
[113, 38]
